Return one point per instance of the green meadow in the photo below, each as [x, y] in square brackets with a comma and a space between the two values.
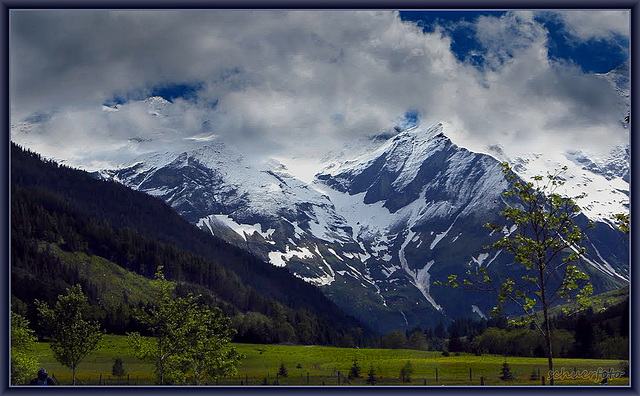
[320, 365]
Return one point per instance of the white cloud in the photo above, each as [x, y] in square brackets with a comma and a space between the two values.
[297, 81]
[596, 24]
[515, 34]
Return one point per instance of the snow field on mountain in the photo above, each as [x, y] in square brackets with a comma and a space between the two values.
[241, 229]
[419, 277]
[604, 197]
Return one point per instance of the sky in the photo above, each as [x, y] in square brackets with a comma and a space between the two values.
[301, 83]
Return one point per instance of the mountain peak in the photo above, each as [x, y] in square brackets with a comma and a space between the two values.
[158, 106]
[419, 132]
[619, 78]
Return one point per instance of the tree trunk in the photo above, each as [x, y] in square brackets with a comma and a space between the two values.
[161, 370]
[73, 374]
[547, 325]
[552, 380]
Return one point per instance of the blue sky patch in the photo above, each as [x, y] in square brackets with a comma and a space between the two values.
[179, 90]
[169, 92]
[592, 56]
[464, 44]
[410, 119]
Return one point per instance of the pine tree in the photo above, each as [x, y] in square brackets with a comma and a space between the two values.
[505, 372]
[354, 371]
[371, 376]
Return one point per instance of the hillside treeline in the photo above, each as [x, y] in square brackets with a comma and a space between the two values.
[57, 209]
[589, 334]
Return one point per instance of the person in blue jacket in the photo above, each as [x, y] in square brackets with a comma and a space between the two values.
[43, 378]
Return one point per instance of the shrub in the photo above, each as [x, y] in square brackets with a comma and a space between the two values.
[535, 375]
[118, 368]
[283, 370]
[624, 367]
[406, 372]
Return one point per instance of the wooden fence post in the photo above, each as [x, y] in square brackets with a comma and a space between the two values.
[470, 374]
[481, 380]
[436, 374]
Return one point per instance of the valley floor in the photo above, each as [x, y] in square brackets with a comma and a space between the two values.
[319, 365]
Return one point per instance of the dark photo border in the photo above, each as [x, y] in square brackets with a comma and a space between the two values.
[6, 6]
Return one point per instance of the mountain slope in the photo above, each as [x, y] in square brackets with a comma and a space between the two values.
[375, 227]
[89, 222]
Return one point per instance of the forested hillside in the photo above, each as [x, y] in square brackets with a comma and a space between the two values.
[67, 228]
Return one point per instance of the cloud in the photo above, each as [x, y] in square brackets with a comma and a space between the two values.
[595, 24]
[299, 82]
[513, 34]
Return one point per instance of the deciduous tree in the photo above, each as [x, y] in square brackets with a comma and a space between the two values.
[540, 232]
[23, 366]
[74, 337]
[190, 341]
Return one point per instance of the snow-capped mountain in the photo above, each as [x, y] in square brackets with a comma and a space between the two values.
[382, 219]
[373, 229]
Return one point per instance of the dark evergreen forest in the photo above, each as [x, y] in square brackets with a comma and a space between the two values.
[54, 205]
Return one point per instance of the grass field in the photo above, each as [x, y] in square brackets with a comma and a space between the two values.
[319, 365]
